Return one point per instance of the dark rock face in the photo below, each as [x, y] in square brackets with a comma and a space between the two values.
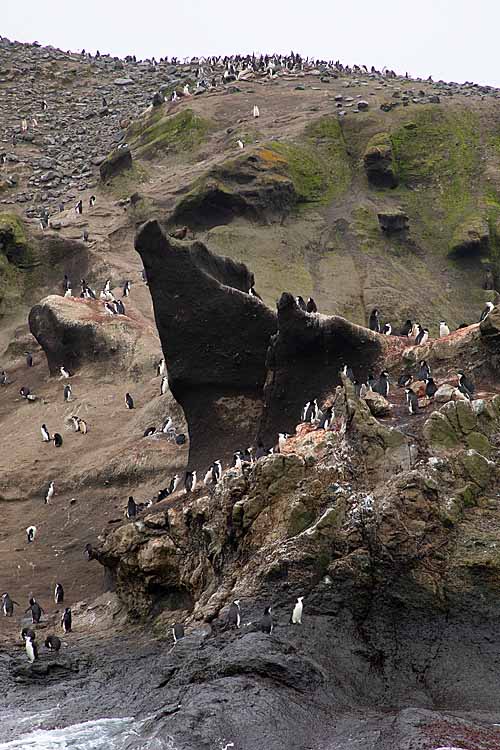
[118, 161]
[379, 162]
[304, 360]
[471, 238]
[214, 336]
[393, 222]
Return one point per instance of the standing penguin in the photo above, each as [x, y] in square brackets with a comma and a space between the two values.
[25, 632]
[234, 616]
[79, 207]
[36, 611]
[126, 288]
[489, 307]
[50, 493]
[65, 373]
[296, 616]
[412, 400]
[382, 385]
[29, 359]
[161, 367]
[465, 385]
[387, 329]
[129, 401]
[301, 303]
[190, 481]
[443, 329]
[66, 620]
[58, 441]
[45, 433]
[266, 623]
[424, 371]
[177, 631]
[164, 385]
[422, 336]
[52, 643]
[67, 392]
[256, 111]
[407, 328]
[310, 411]
[131, 511]
[311, 306]
[174, 482]
[374, 322]
[30, 534]
[8, 605]
[430, 388]
[31, 649]
[58, 593]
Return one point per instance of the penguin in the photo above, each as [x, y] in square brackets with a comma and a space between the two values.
[129, 401]
[327, 419]
[44, 105]
[3, 378]
[45, 433]
[85, 235]
[282, 438]
[29, 359]
[310, 411]
[424, 371]
[68, 293]
[79, 207]
[407, 328]
[174, 482]
[164, 385]
[347, 372]
[64, 372]
[161, 367]
[52, 643]
[36, 611]
[25, 632]
[67, 392]
[92, 201]
[207, 479]
[58, 593]
[374, 322]
[167, 425]
[357, 388]
[382, 385]
[109, 308]
[296, 616]
[66, 283]
[126, 289]
[31, 534]
[443, 329]
[150, 431]
[412, 400]
[89, 553]
[24, 392]
[422, 336]
[256, 111]
[50, 493]
[82, 426]
[311, 306]
[253, 293]
[266, 623]
[300, 303]
[237, 462]
[489, 307]
[8, 605]
[240, 144]
[190, 481]
[119, 307]
[66, 620]
[430, 387]
[31, 649]
[387, 329]
[177, 631]
[57, 439]
[371, 382]
[76, 423]
[234, 615]
[404, 379]
[465, 385]
[131, 511]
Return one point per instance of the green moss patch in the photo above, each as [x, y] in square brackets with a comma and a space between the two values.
[161, 133]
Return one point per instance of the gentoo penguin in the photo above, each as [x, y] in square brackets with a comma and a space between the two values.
[296, 617]
[25, 632]
[45, 433]
[256, 111]
[164, 385]
[129, 401]
[92, 201]
[177, 631]
[67, 392]
[58, 593]
[234, 616]
[430, 387]
[66, 620]
[50, 493]
[31, 649]
[301, 303]
[57, 439]
[79, 207]
[126, 288]
[387, 329]
[266, 623]
[149, 431]
[36, 611]
[190, 481]
[347, 372]
[443, 329]
[31, 534]
[382, 385]
[374, 322]
[407, 328]
[52, 643]
[29, 359]
[167, 425]
[131, 511]
[424, 371]
[465, 385]
[64, 372]
[489, 307]
[8, 605]
[311, 306]
[422, 336]
[327, 418]
[161, 367]
[310, 411]
[412, 400]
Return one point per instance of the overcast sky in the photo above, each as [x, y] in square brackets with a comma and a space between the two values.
[451, 39]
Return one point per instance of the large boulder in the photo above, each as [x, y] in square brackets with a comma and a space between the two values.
[393, 222]
[75, 332]
[214, 336]
[380, 164]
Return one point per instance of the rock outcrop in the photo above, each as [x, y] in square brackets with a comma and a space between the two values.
[118, 161]
[379, 162]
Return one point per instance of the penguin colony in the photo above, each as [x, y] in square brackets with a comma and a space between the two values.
[36, 612]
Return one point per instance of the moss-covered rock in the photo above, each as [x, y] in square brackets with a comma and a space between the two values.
[380, 165]
[480, 443]
[476, 467]
[440, 433]
[393, 222]
[470, 238]
[164, 133]
[14, 244]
